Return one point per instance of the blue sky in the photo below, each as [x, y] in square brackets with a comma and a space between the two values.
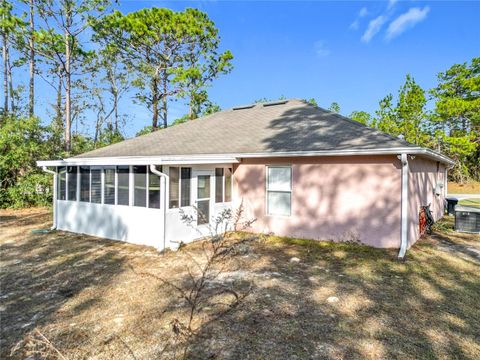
[350, 52]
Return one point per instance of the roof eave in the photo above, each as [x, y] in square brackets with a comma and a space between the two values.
[234, 158]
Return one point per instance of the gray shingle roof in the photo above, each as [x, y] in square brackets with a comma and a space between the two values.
[292, 126]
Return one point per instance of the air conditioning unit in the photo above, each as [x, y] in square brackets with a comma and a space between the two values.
[467, 219]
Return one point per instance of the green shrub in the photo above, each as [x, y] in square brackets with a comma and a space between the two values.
[33, 189]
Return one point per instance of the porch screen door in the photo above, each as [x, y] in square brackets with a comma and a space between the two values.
[203, 199]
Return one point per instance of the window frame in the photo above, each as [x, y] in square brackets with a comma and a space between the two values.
[267, 190]
[224, 184]
[179, 187]
[96, 168]
[61, 170]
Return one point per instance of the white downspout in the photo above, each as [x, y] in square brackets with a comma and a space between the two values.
[163, 176]
[404, 211]
[44, 168]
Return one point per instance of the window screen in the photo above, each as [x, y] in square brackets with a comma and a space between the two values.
[140, 186]
[84, 183]
[154, 190]
[96, 186]
[279, 188]
[123, 188]
[72, 183]
[218, 185]
[173, 187]
[62, 183]
[185, 186]
[109, 187]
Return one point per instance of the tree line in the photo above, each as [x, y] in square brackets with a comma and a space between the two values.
[91, 56]
[445, 118]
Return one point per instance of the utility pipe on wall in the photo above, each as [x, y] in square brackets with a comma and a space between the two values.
[44, 168]
[404, 210]
[163, 176]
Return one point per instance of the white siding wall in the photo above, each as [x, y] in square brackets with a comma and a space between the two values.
[138, 225]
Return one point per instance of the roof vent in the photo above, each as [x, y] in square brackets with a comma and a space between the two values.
[243, 107]
[273, 103]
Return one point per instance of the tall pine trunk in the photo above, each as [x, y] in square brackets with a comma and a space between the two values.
[31, 106]
[10, 82]
[155, 96]
[5, 73]
[68, 105]
[164, 99]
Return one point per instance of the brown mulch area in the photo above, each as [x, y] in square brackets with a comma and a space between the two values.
[76, 296]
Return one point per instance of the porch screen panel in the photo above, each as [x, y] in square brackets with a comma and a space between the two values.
[186, 174]
[96, 186]
[154, 190]
[109, 187]
[85, 183]
[62, 183]
[173, 187]
[228, 184]
[140, 186]
[123, 185]
[72, 183]
[218, 185]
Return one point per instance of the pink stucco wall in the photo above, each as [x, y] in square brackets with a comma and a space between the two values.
[424, 175]
[334, 198]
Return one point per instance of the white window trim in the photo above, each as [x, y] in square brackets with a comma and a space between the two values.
[224, 168]
[289, 166]
[179, 188]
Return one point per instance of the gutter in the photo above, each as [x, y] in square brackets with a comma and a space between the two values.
[44, 168]
[404, 209]
[163, 176]
[234, 157]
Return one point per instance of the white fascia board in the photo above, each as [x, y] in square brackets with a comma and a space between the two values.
[42, 163]
[234, 158]
[388, 151]
[150, 160]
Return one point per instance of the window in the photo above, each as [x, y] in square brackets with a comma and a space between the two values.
[62, 183]
[218, 185]
[122, 185]
[72, 183]
[228, 184]
[109, 186]
[173, 187]
[154, 190]
[96, 186]
[279, 190]
[223, 185]
[185, 186]
[84, 183]
[179, 184]
[140, 186]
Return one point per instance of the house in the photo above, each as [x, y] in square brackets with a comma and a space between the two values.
[299, 170]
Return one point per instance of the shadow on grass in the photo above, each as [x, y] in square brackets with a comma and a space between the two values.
[41, 272]
[349, 301]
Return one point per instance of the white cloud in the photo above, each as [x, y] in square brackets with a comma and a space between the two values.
[373, 28]
[320, 49]
[391, 3]
[362, 13]
[406, 21]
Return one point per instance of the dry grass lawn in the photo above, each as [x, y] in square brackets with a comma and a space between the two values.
[472, 187]
[85, 295]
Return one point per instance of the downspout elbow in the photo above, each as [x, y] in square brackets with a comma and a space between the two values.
[154, 170]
